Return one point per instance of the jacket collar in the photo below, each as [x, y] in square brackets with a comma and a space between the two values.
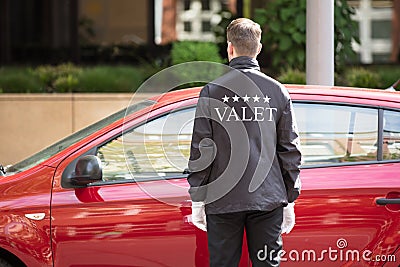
[244, 62]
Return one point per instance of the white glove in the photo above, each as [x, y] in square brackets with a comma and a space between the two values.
[199, 215]
[288, 218]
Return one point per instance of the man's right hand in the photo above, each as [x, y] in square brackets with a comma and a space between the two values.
[199, 215]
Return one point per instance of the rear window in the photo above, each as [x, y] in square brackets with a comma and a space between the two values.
[337, 134]
[391, 135]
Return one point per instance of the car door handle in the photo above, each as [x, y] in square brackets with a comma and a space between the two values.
[385, 201]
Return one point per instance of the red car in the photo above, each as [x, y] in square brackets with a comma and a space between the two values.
[115, 193]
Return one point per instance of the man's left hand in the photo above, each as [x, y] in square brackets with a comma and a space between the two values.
[289, 218]
[199, 215]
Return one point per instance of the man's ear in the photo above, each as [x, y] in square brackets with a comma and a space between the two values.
[259, 48]
[229, 49]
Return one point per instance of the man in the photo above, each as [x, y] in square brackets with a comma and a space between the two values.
[245, 157]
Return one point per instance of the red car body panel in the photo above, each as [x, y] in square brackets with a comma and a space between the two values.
[27, 193]
[129, 224]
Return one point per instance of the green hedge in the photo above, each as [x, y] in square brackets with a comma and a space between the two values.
[19, 80]
[106, 79]
[292, 76]
[123, 78]
[70, 78]
[186, 51]
[358, 77]
[374, 76]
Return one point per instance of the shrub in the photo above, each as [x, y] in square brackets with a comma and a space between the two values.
[69, 78]
[358, 77]
[110, 79]
[19, 80]
[219, 30]
[125, 78]
[345, 32]
[60, 78]
[190, 51]
[186, 51]
[293, 76]
[284, 35]
[388, 74]
[66, 83]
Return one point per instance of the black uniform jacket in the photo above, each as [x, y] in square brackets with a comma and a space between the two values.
[245, 150]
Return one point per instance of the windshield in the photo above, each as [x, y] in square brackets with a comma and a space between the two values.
[72, 139]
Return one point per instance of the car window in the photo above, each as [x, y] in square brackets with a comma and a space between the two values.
[158, 148]
[337, 134]
[391, 135]
[329, 134]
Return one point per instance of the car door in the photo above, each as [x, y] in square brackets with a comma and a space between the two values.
[139, 214]
[350, 162]
[117, 222]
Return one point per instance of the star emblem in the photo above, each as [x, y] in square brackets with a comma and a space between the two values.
[256, 98]
[225, 98]
[266, 99]
[246, 98]
[235, 98]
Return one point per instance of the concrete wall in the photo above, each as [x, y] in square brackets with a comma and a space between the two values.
[31, 122]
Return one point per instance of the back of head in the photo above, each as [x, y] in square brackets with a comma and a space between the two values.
[245, 36]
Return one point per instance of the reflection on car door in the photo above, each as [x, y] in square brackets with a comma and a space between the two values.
[338, 221]
[121, 225]
[337, 213]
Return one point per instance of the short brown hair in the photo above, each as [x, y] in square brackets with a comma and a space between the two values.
[245, 36]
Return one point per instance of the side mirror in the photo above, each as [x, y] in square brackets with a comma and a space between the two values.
[87, 170]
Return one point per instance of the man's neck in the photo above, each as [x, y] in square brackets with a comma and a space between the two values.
[236, 56]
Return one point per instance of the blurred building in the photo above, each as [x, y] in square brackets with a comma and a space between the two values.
[158, 21]
[374, 18]
[37, 29]
[49, 31]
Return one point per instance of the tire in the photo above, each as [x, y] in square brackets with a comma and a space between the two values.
[4, 263]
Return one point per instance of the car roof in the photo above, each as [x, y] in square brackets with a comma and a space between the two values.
[350, 92]
[298, 92]
[373, 97]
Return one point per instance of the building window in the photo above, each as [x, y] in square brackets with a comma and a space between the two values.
[187, 26]
[196, 18]
[186, 4]
[374, 18]
[206, 26]
[205, 4]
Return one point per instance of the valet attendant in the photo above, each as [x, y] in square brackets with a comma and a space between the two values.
[244, 157]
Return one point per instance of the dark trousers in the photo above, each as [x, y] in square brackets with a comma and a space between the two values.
[263, 231]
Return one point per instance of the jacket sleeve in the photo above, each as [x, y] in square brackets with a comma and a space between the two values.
[288, 151]
[202, 150]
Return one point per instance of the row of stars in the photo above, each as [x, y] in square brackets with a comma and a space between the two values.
[246, 98]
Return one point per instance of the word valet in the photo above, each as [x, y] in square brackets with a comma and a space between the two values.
[245, 113]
